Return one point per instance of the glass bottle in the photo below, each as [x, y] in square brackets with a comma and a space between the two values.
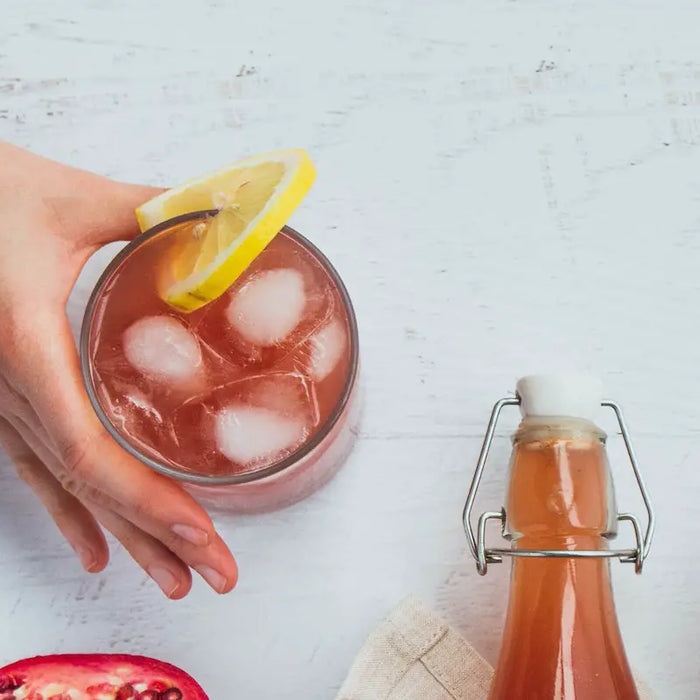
[561, 638]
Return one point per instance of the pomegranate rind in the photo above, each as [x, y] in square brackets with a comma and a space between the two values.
[81, 671]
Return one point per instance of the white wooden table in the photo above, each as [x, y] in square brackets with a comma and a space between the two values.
[505, 186]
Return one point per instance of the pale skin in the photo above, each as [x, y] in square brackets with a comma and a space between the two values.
[53, 218]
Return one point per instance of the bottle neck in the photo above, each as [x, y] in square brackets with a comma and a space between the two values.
[560, 492]
[561, 638]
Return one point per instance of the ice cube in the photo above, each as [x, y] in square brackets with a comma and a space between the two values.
[248, 435]
[268, 307]
[247, 423]
[326, 347]
[163, 349]
[281, 299]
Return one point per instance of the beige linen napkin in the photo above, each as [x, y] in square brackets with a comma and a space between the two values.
[413, 655]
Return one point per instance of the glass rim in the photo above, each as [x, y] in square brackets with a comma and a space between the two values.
[322, 431]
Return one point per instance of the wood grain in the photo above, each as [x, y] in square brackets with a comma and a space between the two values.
[505, 187]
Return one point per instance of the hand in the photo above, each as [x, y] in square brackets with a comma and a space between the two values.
[53, 218]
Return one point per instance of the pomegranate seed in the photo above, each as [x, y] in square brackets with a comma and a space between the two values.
[158, 685]
[148, 695]
[102, 688]
[171, 694]
[126, 692]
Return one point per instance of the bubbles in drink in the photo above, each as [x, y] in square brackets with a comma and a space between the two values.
[163, 349]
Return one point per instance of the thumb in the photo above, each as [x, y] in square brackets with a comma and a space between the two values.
[115, 219]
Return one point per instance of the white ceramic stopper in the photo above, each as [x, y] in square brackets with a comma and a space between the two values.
[560, 395]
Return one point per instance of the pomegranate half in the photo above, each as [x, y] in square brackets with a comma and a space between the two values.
[96, 677]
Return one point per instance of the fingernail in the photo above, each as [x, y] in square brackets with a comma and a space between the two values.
[212, 577]
[194, 535]
[87, 558]
[165, 579]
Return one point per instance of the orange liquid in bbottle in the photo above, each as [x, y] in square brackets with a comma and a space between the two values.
[561, 638]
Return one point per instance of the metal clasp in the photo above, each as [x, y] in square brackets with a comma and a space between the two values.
[485, 556]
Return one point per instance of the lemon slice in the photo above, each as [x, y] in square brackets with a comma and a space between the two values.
[255, 197]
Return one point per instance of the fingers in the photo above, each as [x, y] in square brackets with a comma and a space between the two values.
[95, 469]
[212, 562]
[114, 218]
[164, 560]
[26, 422]
[74, 521]
[167, 570]
[170, 568]
[76, 203]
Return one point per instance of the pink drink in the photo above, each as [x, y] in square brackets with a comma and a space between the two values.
[251, 400]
